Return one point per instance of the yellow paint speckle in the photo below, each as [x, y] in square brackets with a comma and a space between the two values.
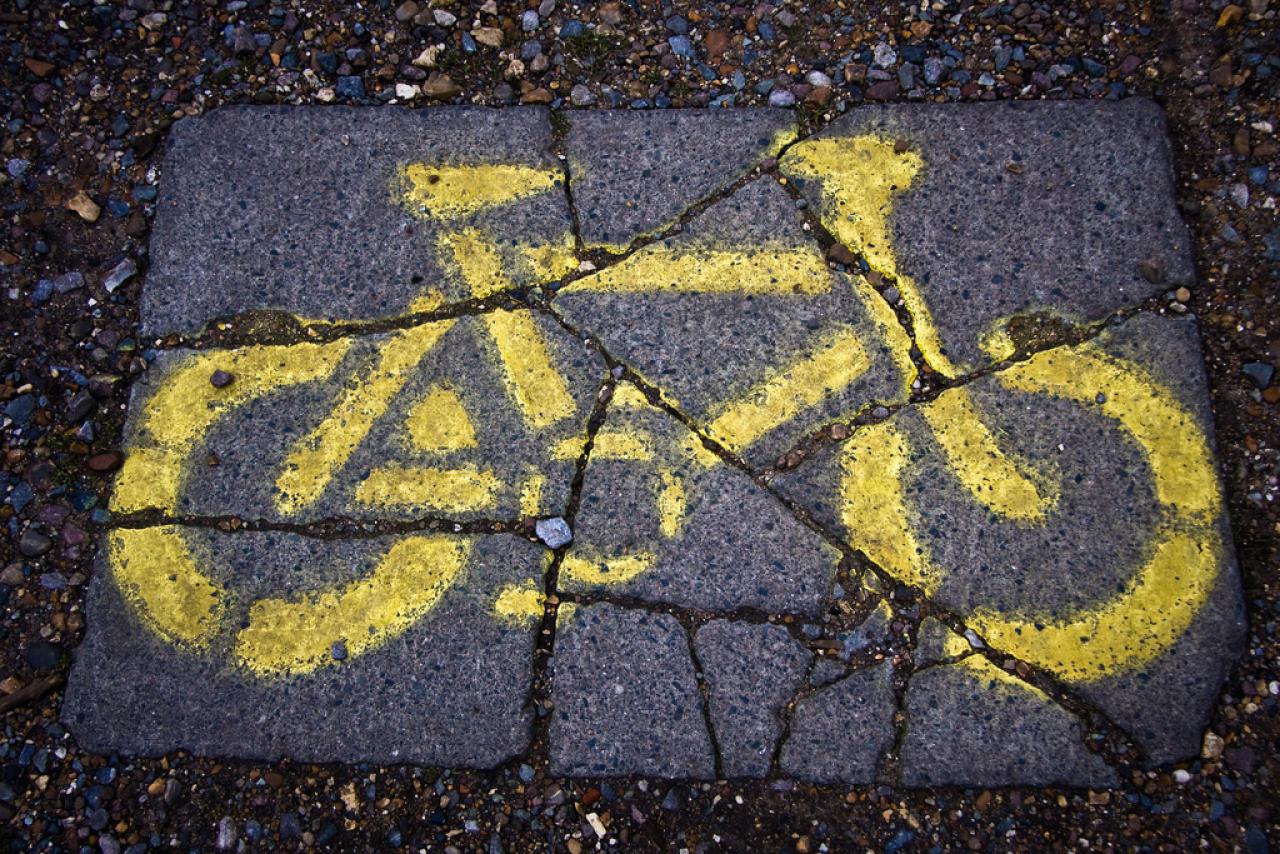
[519, 604]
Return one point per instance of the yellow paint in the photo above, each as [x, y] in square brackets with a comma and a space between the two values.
[518, 604]
[605, 569]
[1168, 433]
[185, 406]
[859, 177]
[627, 396]
[780, 140]
[298, 635]
[150, 477]
[319, 455]
[439, 423]
[1149, 616]
[531, 378]
[531, 493]
[549, 261]
[1156, 606]
[996, 341]
[874, 506]
[477, 260]
[157, 574]
[672, 502]
[692, 449]
[980, 667]
[994, 479]
[782, 271]
[449, 192]
[954, 645]
[453, 490]
[839, 361]
[895, 337]
[609, 445]
[426, 302]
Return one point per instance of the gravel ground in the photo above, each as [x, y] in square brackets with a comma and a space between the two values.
[88, 89]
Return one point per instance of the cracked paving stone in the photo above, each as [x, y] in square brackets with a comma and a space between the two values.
[634, 172]
[304, 210]
[839, 733]
[740, 322]
[972, 724]
[264, 644]
[1068, 509]
[996, 210]
[476, 417]
[626, 697]
[663, 520]
[752, 671]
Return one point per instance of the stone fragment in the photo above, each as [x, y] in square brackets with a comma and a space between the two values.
[752, 671]
[553, 532]
[421, 697]
[626, 698]
[972, 724]
[87, 209]
[119, 274]
[974, 244]
[232, 233]
[839, 733]
[662, 520]
[634, 172]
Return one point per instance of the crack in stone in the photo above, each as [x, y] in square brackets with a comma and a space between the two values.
[260, 327]
[704, 691]
[540, 696]
[330, 528]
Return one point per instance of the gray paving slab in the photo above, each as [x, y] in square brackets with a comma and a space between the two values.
[1066, 507]
[626, 697]
[752, 670]
[661, 522]
[1133, 550]
[636, 171]
[839, 733]
[450, 689]
[717, 329]
[972, 724]
[299, 209]
[1014, 208]
[446, 431]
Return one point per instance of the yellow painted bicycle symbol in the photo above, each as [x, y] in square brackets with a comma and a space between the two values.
[859, 178]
